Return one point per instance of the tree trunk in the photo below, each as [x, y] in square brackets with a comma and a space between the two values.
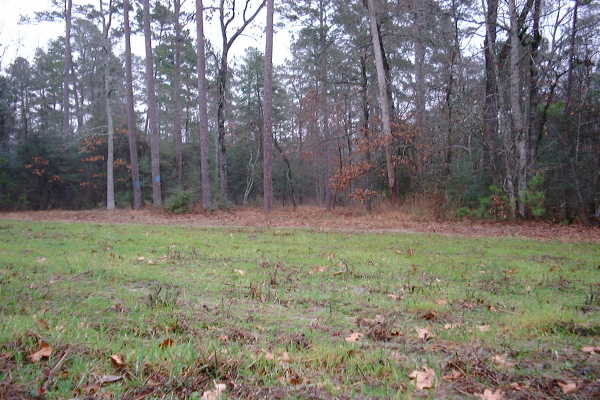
[67, 70]
[490, 113]
[383, 100]
[221, 148]
[177, 94]
[131, 125]
[202, 107]
[110, 178]
[152, 112]
[419, 78]
[519, 133]
[268, 114]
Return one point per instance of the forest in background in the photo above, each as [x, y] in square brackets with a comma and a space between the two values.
[484, 108]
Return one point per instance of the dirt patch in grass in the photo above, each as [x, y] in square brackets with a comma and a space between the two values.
[340, 219]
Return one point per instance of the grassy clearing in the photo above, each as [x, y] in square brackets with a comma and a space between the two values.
[268, 312]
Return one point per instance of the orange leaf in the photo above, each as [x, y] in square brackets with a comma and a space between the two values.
[354, 337]
[567, 387]
[117, 361]
[45, 351]
[166, 343]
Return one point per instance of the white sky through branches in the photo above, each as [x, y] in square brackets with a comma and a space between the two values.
[22, 40]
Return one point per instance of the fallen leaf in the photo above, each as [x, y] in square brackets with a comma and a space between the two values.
[45, 351]
[518, 386]
[453, 376]
[117, 361]
[216, 393]
[424, 333]
[395, 296]
[294, 379]
[492, 308]
[318, 269]
[423, 378]
[41, 260]
[269, 356]
[141, 259]
[166, 343]
[285, 357]
[489, 395]
[354, 337]
[591, 349]
[240, 271]
[43, 324]
[430, 315]
[441, 302]
[483, 328]
[450, 326]
[410, 252]
[108, 379]
[502, 361]
[567, 387]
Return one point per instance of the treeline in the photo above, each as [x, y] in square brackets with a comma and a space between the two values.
[491, 108]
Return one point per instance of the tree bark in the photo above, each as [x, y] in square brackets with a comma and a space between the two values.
[519, 133]
[419, 77]
[67, 70]
[177, 94]
[490, 113]
[202, 107]
[131, 125]
[383, 99]
[268, 114]
[152, 111]
[110, 179]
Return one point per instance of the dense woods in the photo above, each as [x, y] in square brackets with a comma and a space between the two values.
[484, 108]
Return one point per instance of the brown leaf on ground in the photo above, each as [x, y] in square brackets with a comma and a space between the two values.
[354, 337]
[424, 334]
[591, 349]
[318, 269]
[483, 328]
[240, 271]
[395, 296]
[441, 302]
[410, 252]
[423, 377]
[108, 379]
[451, 326]
[502, 361]
[45, 351]
[518, 386]
[43, 324]
[215, 393]
[294, 379]
[41, 260]
[118, 362]
[453, 375]
[430, 316]
[567, 387]
[166, 343]
[488, 394]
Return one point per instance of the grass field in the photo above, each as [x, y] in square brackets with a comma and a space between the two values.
[293, 314]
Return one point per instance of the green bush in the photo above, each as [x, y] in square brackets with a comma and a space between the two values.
[179, 203]
[495, 205]
[535, 196]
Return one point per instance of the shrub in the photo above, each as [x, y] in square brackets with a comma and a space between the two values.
[179, 203]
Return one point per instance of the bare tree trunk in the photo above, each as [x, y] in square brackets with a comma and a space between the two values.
[419, 77]
[226, 17]
[106, 46]
[131, 125]
[364, 94]
[202, 107]
[490, 113]
[383, 99]
[152, 112]
[67, 70]
[177, 93]
[519, 133]
[268, 114]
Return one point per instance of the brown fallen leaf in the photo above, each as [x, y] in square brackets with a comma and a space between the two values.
[41, 260]
[118, 361]
[483, 328]
[423, 377]
[567, 387]
[424, 334]
[502, 361]
[453, 376]
[166, 343]
[395, 296]
[489, 395]
[294, 379]
[430, 315]
[269, 356]
[518, 386]
[491, 308]
[591, 349]
[215, 393]
[318, 270]
[43, 324]
[441, 302]
[108, 379]
[240, 271]
[45, 351]
[354, 337]
[451, 326]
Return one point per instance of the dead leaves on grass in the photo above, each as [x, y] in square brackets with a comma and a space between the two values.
[45, 351]
[423, 377]
[488, 394]
[424, 334]
[591, 349]
[216, 393]
[354, 337]
[567, 387]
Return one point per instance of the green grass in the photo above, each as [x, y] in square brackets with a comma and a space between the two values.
[252, 308]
